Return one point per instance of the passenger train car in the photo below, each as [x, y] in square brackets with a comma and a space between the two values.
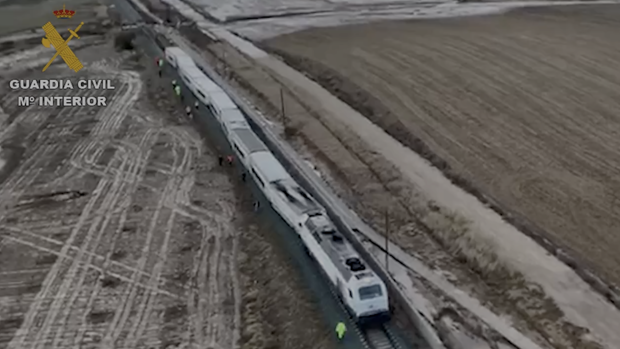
[362, 292]
[175, 56]
[196, 82]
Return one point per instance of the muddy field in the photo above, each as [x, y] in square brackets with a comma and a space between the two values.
[120, 229]
[520, 108]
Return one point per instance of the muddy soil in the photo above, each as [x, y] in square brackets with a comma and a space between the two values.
[119, 229]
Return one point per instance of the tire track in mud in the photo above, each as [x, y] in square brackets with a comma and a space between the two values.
[133, 85]
[10, 230]
[118, 192]
[194, 301]
[16, 116]
[52, 281]
[213, 278]
[122, 315]
[47, 292]
[24, 176]
[68, 287]
[146, 306]
[109, 123]
[145, 145]
[91, 266]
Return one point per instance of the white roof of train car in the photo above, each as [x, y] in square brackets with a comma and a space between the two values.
[296, 197]
[338, 249]
[250, 141]
[206, 85]
[191, 71]
[269, 166]
[179, 55]
[222, 101]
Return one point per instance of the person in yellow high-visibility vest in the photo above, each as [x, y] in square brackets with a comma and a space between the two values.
[340, 330]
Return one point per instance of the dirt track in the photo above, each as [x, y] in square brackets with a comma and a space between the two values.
[522, 105]
[110, 264]
[119, 229]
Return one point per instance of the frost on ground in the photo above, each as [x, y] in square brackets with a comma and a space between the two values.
[259, 20]
[97, 218]
[118, 228]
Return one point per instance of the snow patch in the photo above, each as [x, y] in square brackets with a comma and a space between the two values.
[23, 36]
[24, 58]
[187, 11]
[278, 17]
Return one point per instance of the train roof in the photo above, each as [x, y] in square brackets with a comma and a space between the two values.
[338, 249]
[222, 101]
[206, 84]
[269, 166]
[296, 197]
[234, 119]
[249, 140]
[191, 70]
[176, 51]
[179, 55]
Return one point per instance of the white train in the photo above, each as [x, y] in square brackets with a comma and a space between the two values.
[362, 292]
[175, 56]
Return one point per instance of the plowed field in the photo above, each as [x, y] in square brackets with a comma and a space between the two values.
[522, 108]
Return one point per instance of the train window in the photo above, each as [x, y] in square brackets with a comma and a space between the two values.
[370, 292]
[317, 237]
[258, 178]
[238, 150]
[211, 109]
[202, 94]
[350, 294]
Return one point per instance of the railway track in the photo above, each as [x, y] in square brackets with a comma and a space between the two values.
[380, 338]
